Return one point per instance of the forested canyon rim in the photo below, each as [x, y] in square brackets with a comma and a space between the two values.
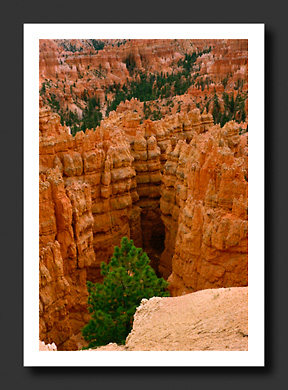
[178, 186]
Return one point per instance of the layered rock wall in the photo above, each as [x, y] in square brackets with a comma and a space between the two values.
[65, 251]
[86, 191]
[204, 207]
[177, 187]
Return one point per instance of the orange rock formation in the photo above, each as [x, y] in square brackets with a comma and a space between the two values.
[205, 211]
[92, 71]
[179, 178]
[176, 186]
[85, 207]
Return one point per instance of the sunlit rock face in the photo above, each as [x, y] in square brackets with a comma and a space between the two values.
[204, 206]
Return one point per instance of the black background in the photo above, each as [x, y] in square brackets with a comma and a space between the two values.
[14, 15]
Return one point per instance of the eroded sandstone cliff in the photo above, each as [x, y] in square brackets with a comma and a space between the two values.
[85, 209]
[176, 186]
[205, 210]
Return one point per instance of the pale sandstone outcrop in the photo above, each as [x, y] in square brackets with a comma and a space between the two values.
[47, 347]
[207, 320]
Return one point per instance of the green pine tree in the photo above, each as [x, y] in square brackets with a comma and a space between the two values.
[128, 278]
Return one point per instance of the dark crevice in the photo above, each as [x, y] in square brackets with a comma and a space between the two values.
[153, 235]
[158, 241]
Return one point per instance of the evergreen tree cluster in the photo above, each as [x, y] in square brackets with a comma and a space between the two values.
[68, 46]
[150, 87]
[189, 60]
[98, 45]
[54, 103]
[130, 64]
[145, 87]
[128, 278]
[71, 119]
[92, 115]
[234, 108]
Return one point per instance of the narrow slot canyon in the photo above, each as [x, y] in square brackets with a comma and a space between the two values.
[153, 238]
[159, 183]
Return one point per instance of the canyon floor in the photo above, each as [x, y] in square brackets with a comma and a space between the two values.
[207, 320]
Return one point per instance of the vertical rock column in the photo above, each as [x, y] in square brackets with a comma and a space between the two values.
[173, 195]
[64, 252]
[211, 245]
[147, 165]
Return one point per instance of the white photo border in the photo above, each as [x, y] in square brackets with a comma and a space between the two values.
[255, 35]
